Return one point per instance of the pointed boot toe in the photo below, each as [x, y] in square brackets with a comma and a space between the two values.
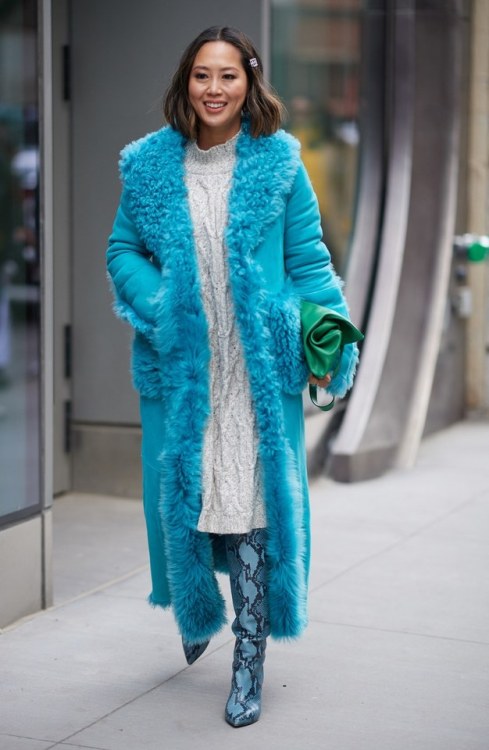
[239, 715]
[194, 650]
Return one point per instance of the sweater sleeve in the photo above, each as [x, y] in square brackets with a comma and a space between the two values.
[135, 280]
[308, 264]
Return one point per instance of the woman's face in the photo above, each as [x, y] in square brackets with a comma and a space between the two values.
[217, 91]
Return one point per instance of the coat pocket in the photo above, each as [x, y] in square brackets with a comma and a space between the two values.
[284, 323]
[145, 367]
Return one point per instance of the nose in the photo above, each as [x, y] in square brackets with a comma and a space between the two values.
[214, 86]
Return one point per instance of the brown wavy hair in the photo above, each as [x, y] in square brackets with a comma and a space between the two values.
[262, 105]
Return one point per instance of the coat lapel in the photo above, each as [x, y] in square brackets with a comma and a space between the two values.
[263, 178]
[265, 171]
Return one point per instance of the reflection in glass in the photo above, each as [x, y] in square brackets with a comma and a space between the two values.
[19, 261]
[316, 50]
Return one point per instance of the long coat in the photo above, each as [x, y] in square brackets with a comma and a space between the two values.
[275, 257]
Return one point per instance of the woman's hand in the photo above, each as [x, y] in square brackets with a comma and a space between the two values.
[322, 383]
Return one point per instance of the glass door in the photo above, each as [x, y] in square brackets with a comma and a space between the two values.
[315, 68]
[20, 303]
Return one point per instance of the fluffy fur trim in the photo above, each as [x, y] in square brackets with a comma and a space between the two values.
[256, 202]
[285, 327]
[153, 171]
[125, 312]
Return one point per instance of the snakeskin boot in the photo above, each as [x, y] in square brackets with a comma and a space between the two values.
[192, 651]
[247, 573]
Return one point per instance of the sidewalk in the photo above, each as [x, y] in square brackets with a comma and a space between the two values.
[396, 656]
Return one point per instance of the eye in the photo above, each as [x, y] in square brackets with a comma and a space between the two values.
[229, 76]
[200, 76]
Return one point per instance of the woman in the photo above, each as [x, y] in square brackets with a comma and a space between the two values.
[216, 239]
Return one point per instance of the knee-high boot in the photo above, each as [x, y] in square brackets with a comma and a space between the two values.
[247, 573]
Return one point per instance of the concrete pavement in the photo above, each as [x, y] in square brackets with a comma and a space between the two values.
[396, 656]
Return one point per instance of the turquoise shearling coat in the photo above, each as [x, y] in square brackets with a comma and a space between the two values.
[276, 257]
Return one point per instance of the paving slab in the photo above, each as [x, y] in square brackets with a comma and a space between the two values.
[463, 446]
[339, 687]
[433, 582]
[350, 523]
[9, 742]
[133, 587]
[95, 539]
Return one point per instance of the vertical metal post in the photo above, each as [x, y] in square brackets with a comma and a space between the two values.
[477, 396]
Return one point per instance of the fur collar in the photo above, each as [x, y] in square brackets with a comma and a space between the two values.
[152, 169]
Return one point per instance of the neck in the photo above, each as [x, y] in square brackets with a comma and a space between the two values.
[208, 137]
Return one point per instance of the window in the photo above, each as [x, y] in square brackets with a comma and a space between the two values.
[316, 53]
[20, 490]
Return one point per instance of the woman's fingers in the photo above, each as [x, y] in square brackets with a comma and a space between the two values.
[321, 382]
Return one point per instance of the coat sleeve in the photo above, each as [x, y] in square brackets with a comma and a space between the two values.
[135, 280]
[308, 264]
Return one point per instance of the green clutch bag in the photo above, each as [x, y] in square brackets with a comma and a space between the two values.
[324, 334]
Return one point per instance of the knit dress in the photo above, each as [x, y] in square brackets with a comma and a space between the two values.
[232, 483]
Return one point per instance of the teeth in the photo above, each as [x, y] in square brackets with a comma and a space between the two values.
[213, 105]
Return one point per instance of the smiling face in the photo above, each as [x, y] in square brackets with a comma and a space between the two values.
[217, 90]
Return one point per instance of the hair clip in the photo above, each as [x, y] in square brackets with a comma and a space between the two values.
[253, 62]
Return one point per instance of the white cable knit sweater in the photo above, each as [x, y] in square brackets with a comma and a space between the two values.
[232, 495]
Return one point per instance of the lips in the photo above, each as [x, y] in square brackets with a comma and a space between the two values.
[215, 106]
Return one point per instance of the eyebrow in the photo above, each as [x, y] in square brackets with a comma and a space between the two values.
[204, 67]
